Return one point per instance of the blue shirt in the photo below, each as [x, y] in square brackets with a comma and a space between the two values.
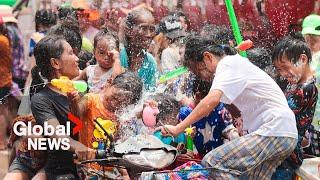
[209, 129]
[147, 71]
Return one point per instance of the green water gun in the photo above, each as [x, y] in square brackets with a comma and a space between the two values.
[173, 74]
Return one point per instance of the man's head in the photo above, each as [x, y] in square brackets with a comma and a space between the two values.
[291, 57]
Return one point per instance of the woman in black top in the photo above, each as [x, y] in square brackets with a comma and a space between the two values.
[55, 58]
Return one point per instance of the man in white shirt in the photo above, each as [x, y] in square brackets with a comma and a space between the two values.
[270, 123]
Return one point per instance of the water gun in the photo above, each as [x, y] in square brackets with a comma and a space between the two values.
[66, 85]
[189, 131]
[245, 45]
[149, 116]
[172, 74]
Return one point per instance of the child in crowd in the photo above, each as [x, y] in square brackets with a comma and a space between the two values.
[292, 58]
[213, 129]
[107, 55]
[125, 89]
[168, 108]
[27, 163]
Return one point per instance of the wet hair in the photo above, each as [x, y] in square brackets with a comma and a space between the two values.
[105, 33]
[132, 17]
[49, 47]
[46, 18]
[259, 57]
[167, 105]
[292, 48]
[129, 81]
[70, 31]
[197, 45]
[84, 57]
[221, 34]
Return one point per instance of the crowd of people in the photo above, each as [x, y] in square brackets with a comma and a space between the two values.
[252, 117]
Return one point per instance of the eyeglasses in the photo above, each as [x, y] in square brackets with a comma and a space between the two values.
[145, 28]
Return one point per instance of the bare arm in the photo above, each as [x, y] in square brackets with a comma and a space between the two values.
[78, 105]
[205, 106]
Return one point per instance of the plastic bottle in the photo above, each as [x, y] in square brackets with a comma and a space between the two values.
[189, 139]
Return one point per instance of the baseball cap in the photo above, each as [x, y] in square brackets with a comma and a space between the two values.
[171, 27]
[311, 25]
[7, 15]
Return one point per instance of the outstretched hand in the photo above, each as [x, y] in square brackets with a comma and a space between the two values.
[84, 153]
[169, 130]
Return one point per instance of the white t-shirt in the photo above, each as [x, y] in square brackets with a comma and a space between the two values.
[263, 106]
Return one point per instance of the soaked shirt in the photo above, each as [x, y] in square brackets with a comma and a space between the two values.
[302, 100]
[210, 129]
[147, 71]
[45, 105]
[95, 109]
[97, 84]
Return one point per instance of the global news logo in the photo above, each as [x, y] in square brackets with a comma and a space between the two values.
[47, 136]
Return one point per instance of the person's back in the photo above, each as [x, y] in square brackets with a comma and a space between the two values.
[263, 105]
